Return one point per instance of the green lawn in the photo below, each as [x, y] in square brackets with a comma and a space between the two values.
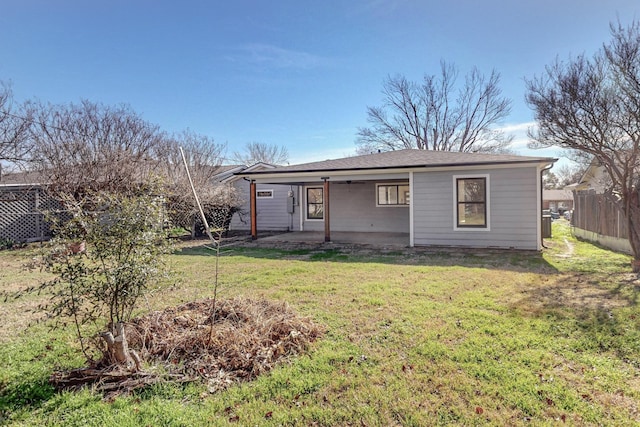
[413, 338]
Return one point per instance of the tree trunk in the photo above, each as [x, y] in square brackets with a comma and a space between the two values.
[631, 203]
[118, 352]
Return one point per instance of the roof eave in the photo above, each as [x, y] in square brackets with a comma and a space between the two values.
[541, 161]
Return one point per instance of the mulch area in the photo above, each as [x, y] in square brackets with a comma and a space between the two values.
[180, 344]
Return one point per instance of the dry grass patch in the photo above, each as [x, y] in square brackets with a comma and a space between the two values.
[247, 338]
[18, 314]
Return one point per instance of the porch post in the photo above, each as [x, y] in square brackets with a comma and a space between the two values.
[327, 222]
[411, 215]
[254, 214]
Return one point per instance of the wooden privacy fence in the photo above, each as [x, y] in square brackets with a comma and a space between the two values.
[22, 211]
[599, 214]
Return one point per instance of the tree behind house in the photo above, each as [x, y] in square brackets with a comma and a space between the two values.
[14, 126]
[592, 106]
[438, 114]
[259, 152]
[203, 157]
[94, 147]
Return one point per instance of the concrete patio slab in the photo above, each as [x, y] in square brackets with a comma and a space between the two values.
[341, 237]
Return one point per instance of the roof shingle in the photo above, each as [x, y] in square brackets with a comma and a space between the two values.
[406, 159]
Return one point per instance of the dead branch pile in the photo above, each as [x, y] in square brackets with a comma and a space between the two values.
[248, 338]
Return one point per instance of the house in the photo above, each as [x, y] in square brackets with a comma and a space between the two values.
[594, 178]
[435, 198]
[274, 203]
[597, 216]
[557, 200]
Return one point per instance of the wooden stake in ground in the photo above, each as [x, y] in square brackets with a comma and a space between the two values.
[214, 241]
[195, 195]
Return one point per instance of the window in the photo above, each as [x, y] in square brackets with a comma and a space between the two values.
[264, 194]
[471, 200]
[315, 203]
[393, 195]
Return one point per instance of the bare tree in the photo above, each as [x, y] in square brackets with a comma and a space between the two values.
[592, 105]
[438, 115]
[569, 174]
[203, 157]
[550, 180]
[256, 152]
[14, 124]
[89, 146]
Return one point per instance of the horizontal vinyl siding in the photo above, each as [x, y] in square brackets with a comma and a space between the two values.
[272, 213]
[353, 208]
[513, 210]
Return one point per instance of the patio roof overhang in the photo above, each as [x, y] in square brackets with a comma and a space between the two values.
[299, 177]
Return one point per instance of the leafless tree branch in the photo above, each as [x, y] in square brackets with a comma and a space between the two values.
[89, 146]
[14, 125]
[592, 106]
[438, 115]
[260, 152]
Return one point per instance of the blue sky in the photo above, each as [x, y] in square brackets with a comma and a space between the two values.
[294, 73]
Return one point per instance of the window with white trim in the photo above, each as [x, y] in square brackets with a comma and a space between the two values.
[392, 195]
[315, 203]
[471, 202]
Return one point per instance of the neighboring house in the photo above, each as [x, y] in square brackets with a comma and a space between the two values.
[594, 178]
[436, 198]
[557, 200]
[277, 207]
[596, 216]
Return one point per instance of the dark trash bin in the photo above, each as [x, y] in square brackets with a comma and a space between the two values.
[546, 226]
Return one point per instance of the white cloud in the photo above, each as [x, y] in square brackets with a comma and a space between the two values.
[276, 57]
[521, 141]
[519, 132]
[518, 127]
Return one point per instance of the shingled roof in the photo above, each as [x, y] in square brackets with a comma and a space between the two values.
[21, 178]
[409, 158]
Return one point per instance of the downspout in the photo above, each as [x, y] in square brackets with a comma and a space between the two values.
[542, 171]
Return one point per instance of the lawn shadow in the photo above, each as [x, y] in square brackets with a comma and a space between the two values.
[501, 259]
[585, 291]
[589, 307]
[28, 393]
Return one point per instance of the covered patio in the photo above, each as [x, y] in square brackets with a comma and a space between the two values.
[342, 238]
[407, 198]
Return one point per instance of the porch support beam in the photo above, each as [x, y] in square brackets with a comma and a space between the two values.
[253, 209]
[327, 221]
[411, 214]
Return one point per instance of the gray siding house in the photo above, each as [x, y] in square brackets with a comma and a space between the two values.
[436, 198]
[277, 207]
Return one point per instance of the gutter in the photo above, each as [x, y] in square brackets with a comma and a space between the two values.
[542, 171]
[415, 167]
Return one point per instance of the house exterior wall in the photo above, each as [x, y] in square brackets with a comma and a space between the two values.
[272, 214]
[513, 211]
[353, 208]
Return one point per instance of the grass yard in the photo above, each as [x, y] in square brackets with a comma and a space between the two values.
[412, 338]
